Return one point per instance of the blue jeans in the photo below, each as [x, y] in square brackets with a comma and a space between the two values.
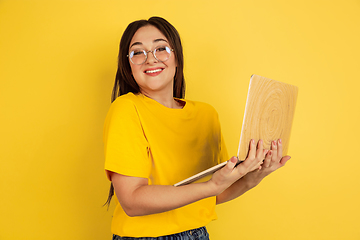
[195, 234]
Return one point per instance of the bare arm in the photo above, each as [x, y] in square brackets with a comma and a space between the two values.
[137, 198]
[273, 161]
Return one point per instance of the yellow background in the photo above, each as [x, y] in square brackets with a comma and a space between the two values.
[57, 66]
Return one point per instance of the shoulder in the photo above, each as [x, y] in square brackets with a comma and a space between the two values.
[123, 109]
[126, 99]
[125, 103]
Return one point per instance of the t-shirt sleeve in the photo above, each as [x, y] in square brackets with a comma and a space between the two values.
[126, 147]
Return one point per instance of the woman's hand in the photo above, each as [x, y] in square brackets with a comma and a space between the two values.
[272, 162]
[225, 177]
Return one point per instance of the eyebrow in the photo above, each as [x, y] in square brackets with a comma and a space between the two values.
[155, 41]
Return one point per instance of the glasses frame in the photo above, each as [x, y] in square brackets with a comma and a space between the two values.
[154, 54]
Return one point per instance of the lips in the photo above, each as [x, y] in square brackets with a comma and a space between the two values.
[153, 71]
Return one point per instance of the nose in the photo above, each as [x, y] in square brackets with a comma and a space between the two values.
[150, 58]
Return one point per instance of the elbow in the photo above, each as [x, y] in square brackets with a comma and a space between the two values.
[130, 207]
[131, 211]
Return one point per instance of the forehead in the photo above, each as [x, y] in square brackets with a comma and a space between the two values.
[147, 36]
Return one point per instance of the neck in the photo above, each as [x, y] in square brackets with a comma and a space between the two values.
[166, 100]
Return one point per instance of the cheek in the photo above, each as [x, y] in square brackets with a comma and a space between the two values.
[135, 70]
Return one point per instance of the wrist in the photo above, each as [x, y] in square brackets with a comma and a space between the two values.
[213, 188]
[250, 183]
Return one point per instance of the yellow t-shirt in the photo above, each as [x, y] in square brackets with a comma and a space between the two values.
[145, 139]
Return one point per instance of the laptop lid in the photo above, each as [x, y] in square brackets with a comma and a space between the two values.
[269, 113]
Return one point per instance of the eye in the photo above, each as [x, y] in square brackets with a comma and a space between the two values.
[162, 49]
[138, 52]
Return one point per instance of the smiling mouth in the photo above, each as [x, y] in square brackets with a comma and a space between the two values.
[154, 71]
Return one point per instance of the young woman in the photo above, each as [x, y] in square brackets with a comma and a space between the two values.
[155, 138]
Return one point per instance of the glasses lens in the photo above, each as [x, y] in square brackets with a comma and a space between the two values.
[137, 56]
[162, 53]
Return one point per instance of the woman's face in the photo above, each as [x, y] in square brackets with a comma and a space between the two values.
[153, 76]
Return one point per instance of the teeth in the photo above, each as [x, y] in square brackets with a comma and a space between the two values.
[154, 71]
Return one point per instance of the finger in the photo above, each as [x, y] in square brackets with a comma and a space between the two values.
[260, 150]
[280, 149]
[258, 165]
[255, 156]
[252, 150]
[259, 157]
[284, 160]
[239, 171]
[230, 165]
[274, 158]
[267, 159]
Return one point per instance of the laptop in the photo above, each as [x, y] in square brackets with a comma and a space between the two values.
[269, 113]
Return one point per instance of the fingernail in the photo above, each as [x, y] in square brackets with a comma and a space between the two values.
[252, 141]
[280, 140]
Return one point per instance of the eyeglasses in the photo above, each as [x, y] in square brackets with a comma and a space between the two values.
[139, 55]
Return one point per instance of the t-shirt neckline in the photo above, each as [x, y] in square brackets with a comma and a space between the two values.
[148, 99]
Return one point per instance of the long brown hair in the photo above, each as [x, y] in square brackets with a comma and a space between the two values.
[124, 80]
